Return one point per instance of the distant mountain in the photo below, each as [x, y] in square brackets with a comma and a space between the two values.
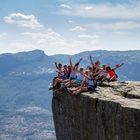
[38, 63]
[25, 102]
[24, 79]
[131, 60]
[25, 76]
[24, 62]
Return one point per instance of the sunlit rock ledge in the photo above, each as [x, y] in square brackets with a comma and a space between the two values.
[112, 112]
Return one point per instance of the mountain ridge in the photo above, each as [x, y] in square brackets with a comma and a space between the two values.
[37, 60]
[28, 74]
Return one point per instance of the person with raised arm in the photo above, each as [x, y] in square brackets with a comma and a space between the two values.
[96, 65]
[111, 74]
[88, 84]
[91, 61]
[74, 71]
[78, 80]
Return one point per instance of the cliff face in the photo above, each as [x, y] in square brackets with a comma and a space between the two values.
[112, 112]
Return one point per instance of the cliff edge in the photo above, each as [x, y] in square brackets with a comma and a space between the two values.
[112, 112]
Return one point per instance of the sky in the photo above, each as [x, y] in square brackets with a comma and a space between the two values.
[69, 26]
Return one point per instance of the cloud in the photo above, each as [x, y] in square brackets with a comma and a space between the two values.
[78, 28]
[79, 45]
[65, 6]
[49, 41]
[120, 33]
[70, 21]
[49, 37]
[88, 7]
[125, 25]
[3, 35]
[106, 11]
[15, 46]
[22, 20]
[86, 36]
[53, 43]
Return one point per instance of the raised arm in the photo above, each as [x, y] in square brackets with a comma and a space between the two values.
[85, 75]
[70, 62]
[91, 61]
[118, 65]
[56, 65]
[80, 60]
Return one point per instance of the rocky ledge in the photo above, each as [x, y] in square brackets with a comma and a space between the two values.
[112, 112]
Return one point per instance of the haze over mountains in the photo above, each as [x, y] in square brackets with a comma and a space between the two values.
[29, 73]
[24, 80]
[37, 62]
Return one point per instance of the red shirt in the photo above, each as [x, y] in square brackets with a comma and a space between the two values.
[111, 73]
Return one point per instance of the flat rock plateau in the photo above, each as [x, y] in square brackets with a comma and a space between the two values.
[111, 112]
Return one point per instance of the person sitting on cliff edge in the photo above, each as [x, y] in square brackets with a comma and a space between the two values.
[88, 84]
[62, 75]
[111, 74]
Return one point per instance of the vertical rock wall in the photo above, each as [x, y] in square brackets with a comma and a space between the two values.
[98, 116]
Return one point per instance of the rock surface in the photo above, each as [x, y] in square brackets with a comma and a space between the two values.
[112, 112]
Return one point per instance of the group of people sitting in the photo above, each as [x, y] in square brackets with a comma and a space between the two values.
[83, 79]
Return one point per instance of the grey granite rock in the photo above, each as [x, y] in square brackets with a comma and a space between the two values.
[112, 112]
